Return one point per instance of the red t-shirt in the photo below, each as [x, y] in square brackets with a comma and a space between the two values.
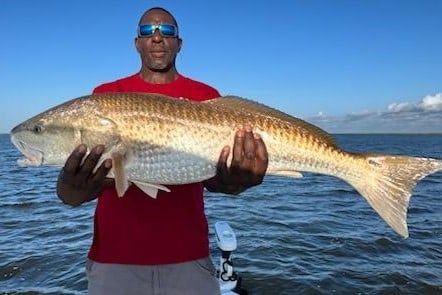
[137, 229]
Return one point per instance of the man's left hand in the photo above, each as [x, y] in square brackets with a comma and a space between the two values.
[248, 166]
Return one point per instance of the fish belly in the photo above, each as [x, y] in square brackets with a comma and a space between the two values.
[169, 166]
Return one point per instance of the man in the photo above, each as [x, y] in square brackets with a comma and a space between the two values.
[156, 246]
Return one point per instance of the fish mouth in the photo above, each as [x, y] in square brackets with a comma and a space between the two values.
[32, 156]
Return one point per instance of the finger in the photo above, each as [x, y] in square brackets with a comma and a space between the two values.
[238, 148]
[91, 161]
[249, 151]
[221, 167]
[109, 182]
[262, 157]
[233, 189]
[103, 170]
[74, 160]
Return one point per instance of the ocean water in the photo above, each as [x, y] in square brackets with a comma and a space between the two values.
[313, 235]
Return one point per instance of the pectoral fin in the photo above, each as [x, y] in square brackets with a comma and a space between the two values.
[121, 182]
[151, 189]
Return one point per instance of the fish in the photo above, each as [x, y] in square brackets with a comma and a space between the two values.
[155, 141]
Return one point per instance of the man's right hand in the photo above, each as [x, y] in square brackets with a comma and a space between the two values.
[78, 183]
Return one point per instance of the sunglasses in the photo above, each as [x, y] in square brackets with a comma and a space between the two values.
[166, 30]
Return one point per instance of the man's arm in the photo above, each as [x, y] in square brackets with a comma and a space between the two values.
[248, 167]
[77, 183]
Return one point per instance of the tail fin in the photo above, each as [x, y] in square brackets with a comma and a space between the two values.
[389, 182]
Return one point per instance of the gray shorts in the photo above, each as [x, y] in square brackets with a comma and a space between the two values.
[196, 277]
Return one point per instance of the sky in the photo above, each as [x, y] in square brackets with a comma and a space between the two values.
[347, 66]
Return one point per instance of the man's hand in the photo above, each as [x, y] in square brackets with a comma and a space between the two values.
[77, 183]
[248, 167]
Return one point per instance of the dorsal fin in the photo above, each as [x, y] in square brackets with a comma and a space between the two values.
[253, 107]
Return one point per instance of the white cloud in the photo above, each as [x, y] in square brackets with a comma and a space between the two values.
[424, 116]
[432, 103]
[428, 103]
[402, 107]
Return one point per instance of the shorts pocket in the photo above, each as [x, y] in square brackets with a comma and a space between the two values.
[89, 268]
[206, 265]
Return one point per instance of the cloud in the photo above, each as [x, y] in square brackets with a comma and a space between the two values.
[432, 103]
[360, 116]
[402, 107]
[427, 104]
[423, 116]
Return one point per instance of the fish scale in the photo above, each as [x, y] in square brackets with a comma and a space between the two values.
[155, 140]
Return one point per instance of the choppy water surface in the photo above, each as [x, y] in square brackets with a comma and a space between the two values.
[313, 235]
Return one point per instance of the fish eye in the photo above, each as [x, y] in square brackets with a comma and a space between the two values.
[37, 129]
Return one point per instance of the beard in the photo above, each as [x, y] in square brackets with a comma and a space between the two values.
[159, 64]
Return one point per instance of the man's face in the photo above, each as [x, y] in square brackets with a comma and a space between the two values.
[157, 52]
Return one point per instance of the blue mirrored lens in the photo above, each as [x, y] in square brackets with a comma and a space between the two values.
[146, 30]
[166, 30]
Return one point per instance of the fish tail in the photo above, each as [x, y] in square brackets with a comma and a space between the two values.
[388, 182]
